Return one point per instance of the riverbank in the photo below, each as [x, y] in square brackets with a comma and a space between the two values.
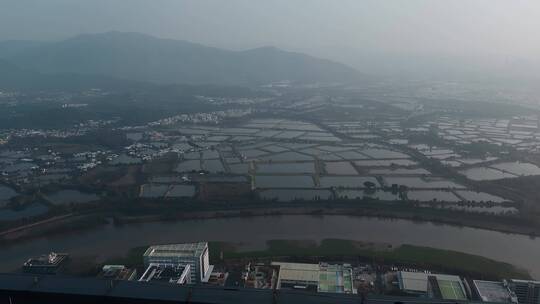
[404, 255]
[514, 225]
[91, 220]
[338, 250]
[251, 234]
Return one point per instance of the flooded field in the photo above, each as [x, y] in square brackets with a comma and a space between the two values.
[422, 183]
[286, 168]
[287, 156]
[430, 196]
[239, 168]
[520, 133]
[289, 160]
[29, 211]
[284, 195]
[485, 174]
[399, 171]
[284, 181]
[210, 154]
[385, 163]
[213, 166]
[351, 155]
[474, 196]
[384, 154]
[65, 197]
[177, 191]
[347, 181]
[153, 191]
[6, 193]
[360, 194]
[165, 179]
[189, 165]
[518, 168]
[340, 168]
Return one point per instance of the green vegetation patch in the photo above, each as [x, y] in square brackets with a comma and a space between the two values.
[451, 290]
[134, 258]
[415, 256]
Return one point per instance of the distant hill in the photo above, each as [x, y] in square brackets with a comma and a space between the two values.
[13, 47]
[13, 77]
[145, 58]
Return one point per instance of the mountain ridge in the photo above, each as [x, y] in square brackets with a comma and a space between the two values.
[141, 57]
[13, 77]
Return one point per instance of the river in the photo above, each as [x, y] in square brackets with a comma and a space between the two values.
[109, 240]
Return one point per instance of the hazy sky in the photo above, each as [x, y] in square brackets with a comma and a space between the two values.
[480, 29]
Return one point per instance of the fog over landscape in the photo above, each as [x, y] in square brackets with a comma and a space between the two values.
[270, 151]
[485, 39]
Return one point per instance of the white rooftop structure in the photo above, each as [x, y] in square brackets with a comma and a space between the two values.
[168, 273]
[321, 277]
[417, 282]
[194, 254]
[177, 250]
[494, 292]
[298, 272]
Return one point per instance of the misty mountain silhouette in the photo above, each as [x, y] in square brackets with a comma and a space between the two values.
[141, 57]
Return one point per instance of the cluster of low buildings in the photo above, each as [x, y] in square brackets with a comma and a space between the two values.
[185, 263]
[322, 277]
[521, 132]
[45, 264]
[451, 287]
[206, 118]
[220, 101]
[189, 263]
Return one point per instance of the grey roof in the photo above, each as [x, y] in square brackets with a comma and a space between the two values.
[298, 272]
[418, 281]
[525, 281]
[491, 291]
[176, 250]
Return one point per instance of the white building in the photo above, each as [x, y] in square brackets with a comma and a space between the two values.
[167, 273]
[193, 254]
[443, 286]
